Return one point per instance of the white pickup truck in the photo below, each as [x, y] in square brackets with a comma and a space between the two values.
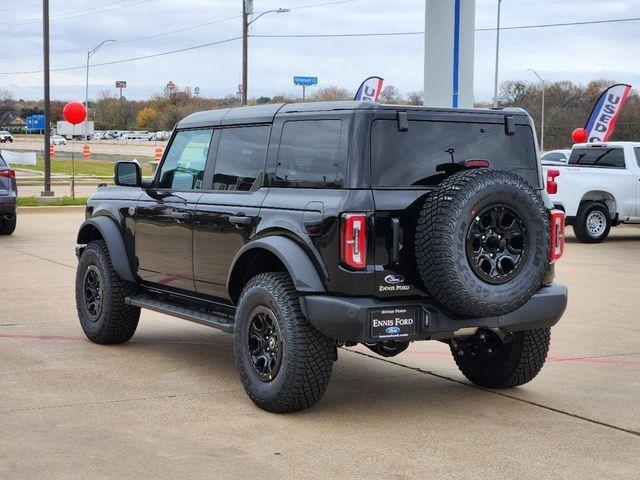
[598, 188]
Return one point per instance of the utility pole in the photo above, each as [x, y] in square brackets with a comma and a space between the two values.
[495, 85]
[246, 10]
[47, 101]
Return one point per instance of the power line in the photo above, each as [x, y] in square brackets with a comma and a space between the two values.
[180, 30]
[97, 9]
[125, 60]
[391, 34]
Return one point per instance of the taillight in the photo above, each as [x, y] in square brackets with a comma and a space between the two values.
[552, 186]
[8, 173]
[557, 234]
[353, 240]
[476, 164]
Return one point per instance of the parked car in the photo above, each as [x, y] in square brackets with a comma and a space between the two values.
[58, 140]
[161, 136]
[599, 188]
[301, 228]
[8, 196]
[6, 137]
[136, 136]
[555, 157]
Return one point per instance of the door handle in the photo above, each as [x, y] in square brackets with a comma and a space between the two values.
[240, 220]
[181, 216]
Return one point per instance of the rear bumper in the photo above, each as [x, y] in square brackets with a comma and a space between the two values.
[349, 319]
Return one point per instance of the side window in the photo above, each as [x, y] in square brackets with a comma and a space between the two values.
[183, 167]
[637, 151]
[242, 152]
[309, 154]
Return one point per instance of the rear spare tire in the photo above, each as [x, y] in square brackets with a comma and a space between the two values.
[482, 242]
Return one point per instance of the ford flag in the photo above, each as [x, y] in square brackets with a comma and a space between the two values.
[370, 90]
[603, 117]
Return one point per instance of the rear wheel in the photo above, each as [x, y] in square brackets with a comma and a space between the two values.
[104, 314]
[7, 227]
[593, 223]
[489, 362]
[284, 362]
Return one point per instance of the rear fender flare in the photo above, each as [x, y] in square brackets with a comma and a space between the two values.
[303, 273]
[112, 236]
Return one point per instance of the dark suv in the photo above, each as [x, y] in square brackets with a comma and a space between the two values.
[301, 228]
[8, 198]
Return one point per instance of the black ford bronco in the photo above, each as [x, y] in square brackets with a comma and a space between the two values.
[301, 228]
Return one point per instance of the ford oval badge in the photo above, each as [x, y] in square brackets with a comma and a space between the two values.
[392, 330]
[394, 279]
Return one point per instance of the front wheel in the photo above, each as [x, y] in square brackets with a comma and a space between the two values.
[488, 361]
[284, 362]
[101, 296]
[593, 223]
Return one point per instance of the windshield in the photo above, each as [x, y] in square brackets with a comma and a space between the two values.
[431, 150]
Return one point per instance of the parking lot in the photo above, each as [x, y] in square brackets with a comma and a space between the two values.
[169, 403]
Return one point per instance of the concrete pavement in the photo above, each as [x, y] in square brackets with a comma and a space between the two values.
[169, 403]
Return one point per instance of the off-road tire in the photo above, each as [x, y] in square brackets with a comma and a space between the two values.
[517, 362]
[117, 321]
[580, 224]
[7, 227]
[307, 357]
[441, 242]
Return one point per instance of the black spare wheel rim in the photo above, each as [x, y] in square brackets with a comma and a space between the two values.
[93, 292]
[265, 343]
[496, 244]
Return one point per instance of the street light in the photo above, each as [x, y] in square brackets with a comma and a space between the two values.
[542, 83]
[86, 90]
[247, 9]
[495, 85]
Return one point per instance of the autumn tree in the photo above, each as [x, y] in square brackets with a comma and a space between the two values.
[146, 117]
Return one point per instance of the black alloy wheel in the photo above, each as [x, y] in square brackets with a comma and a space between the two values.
[265, 343]
[496, 244]
[93, 292]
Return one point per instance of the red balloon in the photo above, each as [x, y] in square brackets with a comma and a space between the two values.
[74, 113]
[579, 135]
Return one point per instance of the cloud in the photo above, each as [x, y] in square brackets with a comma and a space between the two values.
[577, 53]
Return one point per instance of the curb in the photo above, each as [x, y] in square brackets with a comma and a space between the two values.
[53, 209]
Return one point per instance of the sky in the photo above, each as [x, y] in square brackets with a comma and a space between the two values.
[577, 53]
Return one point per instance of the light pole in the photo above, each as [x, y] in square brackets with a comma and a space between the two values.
[247, 10]
[542, 83]
[47, 101]
[495, 85]
[86, 90]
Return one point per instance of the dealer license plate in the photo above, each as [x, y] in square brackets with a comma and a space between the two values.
[391, 323]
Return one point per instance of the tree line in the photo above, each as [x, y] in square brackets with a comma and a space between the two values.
[567, 107]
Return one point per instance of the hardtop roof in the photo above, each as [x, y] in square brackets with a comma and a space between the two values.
[266, 113]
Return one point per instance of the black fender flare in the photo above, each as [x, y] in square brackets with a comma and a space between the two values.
[303, 273]
[112, 236]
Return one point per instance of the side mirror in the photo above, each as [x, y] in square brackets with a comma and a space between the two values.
[128, 174]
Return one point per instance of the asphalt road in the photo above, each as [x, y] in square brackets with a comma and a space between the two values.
[169, 403]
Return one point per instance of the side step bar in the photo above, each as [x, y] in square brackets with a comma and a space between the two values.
[196, 316]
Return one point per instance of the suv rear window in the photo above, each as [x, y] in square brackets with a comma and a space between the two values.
[419, 156]
[597, 157]
[2, 164]
[309, 155]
